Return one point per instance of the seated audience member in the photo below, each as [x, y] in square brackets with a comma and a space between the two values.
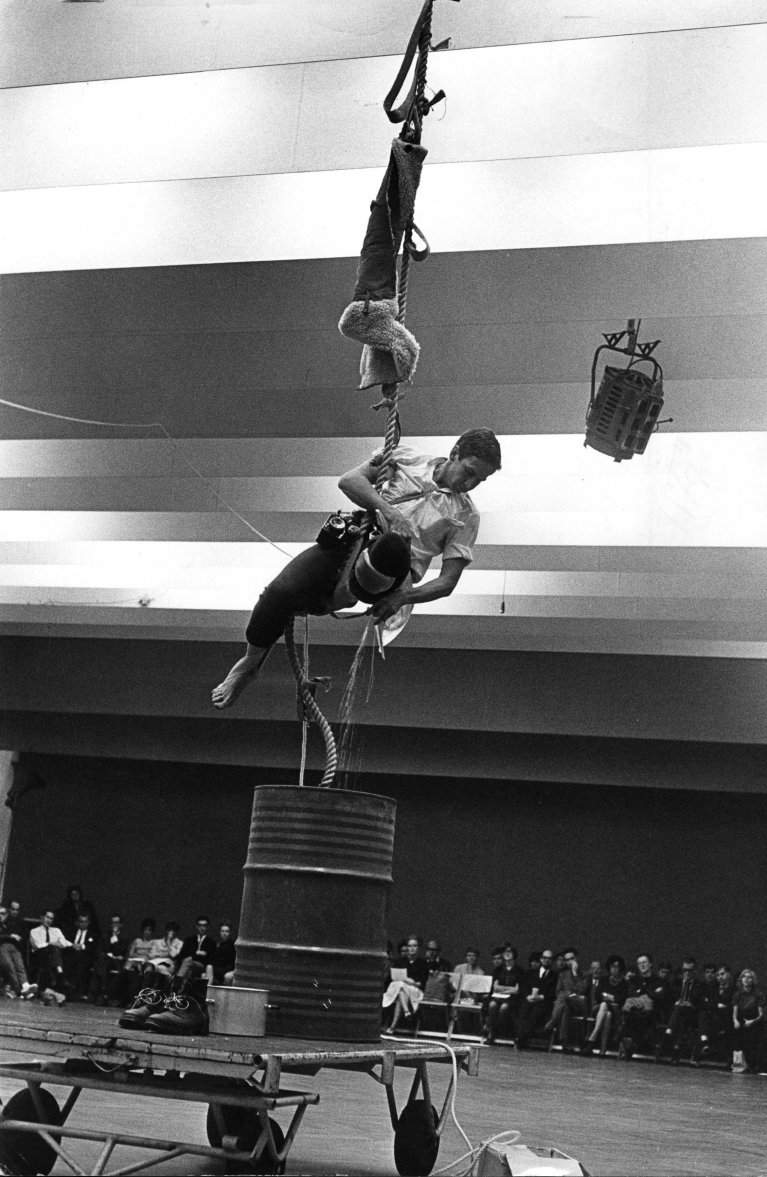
[137, 962]
[715, 1019]
[224, 955]
[470, 964]
[47, 944]
[683, 1018]
[404, 996]
[607, 1005]
[639, 1011]
[435, 961]
[75, 905]
[163, 955]
[107, 971]
[13, 971]
[194, 962]
[594, 990]
[570, 997]
[748, 1021]
[80, 959]
[664, 997]
[537, 998]
[496, 958]
[503, 1006]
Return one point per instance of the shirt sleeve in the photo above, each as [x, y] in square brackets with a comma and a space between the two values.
[461, 540]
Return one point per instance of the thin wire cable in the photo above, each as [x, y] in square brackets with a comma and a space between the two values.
[175, 445]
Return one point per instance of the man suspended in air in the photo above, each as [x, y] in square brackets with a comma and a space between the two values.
[423, 510]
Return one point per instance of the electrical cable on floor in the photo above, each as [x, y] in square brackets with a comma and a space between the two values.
[510, 1135]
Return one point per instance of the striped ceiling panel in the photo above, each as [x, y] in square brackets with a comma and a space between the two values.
[181, 208]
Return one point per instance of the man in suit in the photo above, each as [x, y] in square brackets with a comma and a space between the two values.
[110, 961]
[683, 1020]
[80, 958]
[538, 997]
[195, 960]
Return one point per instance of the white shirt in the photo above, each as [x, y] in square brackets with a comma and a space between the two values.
[446, 524]
[56, 936]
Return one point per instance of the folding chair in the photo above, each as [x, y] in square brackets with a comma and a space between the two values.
[469, 1005]
[436, 1004]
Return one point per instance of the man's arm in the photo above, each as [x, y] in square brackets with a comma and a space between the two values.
[417, 594]
[359, 486]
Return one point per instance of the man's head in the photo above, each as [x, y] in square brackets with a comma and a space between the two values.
[509, 955]
[202, 923]
[547, 958]
[474, 457]
[570, 959]
[472, 956]
[83, 922]
[14, 907]
[644, 964]
[432, 950]
[48, 918]
[224, 931]
[116, 923]
[3, 913]
[688, 964]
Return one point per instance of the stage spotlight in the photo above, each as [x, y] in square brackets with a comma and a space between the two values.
[524, 1160]
[623, 414]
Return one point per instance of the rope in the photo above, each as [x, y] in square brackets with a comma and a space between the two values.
[311, 708]
[411, 131]
[417, 108]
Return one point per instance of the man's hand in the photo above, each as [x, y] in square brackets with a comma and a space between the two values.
[398, 523]
[388, 606]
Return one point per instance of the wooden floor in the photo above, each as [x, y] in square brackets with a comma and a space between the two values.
[618, 1118]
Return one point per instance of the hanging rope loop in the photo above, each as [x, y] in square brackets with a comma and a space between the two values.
[306, 693]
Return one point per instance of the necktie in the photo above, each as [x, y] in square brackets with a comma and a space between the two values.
[47, 936]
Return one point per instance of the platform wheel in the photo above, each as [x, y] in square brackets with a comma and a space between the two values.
[416, 1141]
[246, 1126]
[22, 1153]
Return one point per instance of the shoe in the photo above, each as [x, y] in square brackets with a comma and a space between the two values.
[28, 990]
[181, 1015]
[587, 1049]
[59, 998]
[146, 1002]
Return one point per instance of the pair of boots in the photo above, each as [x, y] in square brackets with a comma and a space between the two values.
[165, 1013]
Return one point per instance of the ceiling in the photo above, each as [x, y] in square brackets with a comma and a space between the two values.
[184, 191]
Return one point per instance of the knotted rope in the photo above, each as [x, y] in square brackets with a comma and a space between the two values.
[306, 688]
[411, 113]
[418, 107]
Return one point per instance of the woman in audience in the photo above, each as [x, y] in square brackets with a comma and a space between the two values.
[137, 961]
[748, 1020]
[162, 958]
[613, 992]
[504, 996]
[405, 995]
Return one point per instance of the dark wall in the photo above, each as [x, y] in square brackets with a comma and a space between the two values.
[609, 869]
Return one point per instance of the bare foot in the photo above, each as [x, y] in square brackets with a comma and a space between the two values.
[237, 679]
